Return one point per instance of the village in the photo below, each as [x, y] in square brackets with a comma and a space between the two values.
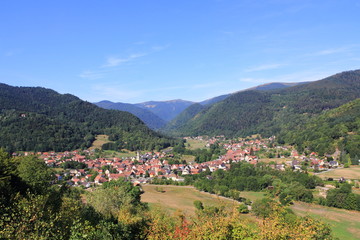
[143, 168]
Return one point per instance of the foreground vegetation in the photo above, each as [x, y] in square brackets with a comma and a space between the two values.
[34, 208]
[180, 199]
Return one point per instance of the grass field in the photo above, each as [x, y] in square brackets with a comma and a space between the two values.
[195, 144]
[58, 170]
[252, 195]
[345, 224]
[99, 141]
[188, 158]
[349, 173]
[277, 160]
[125, 154]
[182, 198]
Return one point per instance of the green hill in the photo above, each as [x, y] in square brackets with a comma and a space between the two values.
[274, 111]
[338, 128]
[177, 123]
[39, 119]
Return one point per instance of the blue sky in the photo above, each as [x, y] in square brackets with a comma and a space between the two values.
[138, 50]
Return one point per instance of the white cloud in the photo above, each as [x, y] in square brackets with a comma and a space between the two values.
[115, 61]
[264, 67]
[160, 47]
[205, 85]
[92, 75]
[330, 51]
[12, 53]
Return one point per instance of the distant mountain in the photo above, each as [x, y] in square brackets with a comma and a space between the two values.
[167, 110]
[272, 111]
[263, 87]
[175, 125]
[215, 99]
[336, 129]
[275, 85]
[39, 119]
[183, 118]
[149, 118]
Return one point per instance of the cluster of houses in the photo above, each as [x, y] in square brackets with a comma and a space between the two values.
[143, 167]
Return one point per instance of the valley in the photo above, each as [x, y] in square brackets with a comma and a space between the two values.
[180, 120]
[269, 158]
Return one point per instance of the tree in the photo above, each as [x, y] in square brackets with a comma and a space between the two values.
[35, 173]
[263, 207]
[243, 208]
[198, 205]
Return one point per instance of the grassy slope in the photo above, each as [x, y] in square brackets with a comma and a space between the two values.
[349, 173]
[345, 224]
[182, 198]
[195, 144]
[99, 141]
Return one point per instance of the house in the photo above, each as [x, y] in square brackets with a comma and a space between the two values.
[296, 164]
[100, 179]
[333, 164]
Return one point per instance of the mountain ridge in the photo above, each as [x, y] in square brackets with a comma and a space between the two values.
[149, 118]
[40, 119]
[254, 111]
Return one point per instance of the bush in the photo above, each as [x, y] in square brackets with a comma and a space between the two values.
[243, 208]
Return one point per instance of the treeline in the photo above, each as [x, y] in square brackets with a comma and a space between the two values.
[201, 155]
[288, 185]
[39, 119]
[342, 197]
[338, 128]
[137, 141]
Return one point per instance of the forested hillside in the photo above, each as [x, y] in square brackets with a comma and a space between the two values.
[179, 124]
[183, 118]
[39, 119]
[336, 129]
[149, 118]
[271, 112]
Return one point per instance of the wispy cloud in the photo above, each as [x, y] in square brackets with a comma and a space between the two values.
[116, 61]
[205, 85]
[330, 51]
[92, 75]
[227, 32]
[12, 53]
[112, 62]
[160, 47]
[139, 43]
[264, 67]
